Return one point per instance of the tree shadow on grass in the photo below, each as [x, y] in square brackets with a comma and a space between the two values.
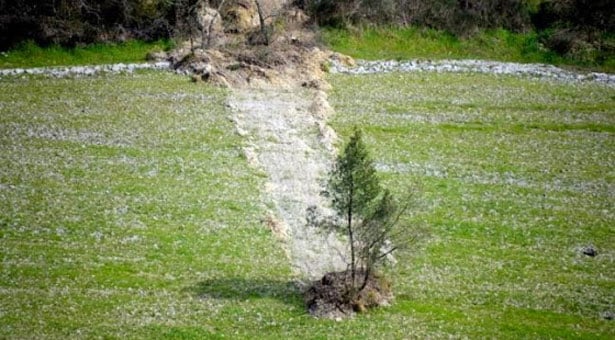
[242, 289]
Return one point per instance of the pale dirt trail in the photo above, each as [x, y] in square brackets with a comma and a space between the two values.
[288, 139]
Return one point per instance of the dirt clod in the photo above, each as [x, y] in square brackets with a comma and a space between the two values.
[331, 297]
[590, 251]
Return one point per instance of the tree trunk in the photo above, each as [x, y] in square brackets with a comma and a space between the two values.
[353, 265]
[261, 19]
[365, 278]
[207, 43]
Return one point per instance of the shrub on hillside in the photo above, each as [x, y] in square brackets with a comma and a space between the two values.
[577, 29]
[459, 17]
[74, 22]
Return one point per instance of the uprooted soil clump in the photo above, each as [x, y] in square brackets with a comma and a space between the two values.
[332, 296]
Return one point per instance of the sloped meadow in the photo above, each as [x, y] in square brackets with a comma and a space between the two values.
[128, 210]
[515, 178]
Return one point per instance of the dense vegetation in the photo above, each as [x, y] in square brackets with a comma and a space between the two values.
[77, 22]
[391, 43]
[577, 31]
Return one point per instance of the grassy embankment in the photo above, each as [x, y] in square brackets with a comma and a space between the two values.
[368, 43]
[127, 210]
[412, 43]
[30, 55]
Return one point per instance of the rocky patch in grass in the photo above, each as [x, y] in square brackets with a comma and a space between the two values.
[61, 72]
[473, 66]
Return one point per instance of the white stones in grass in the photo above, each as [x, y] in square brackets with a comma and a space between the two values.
[471, 66]
[85, 137]
[60, 72]
[97, 235]
[426, 169]
[607, 315]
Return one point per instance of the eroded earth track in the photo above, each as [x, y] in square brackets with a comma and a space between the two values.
[288, 139]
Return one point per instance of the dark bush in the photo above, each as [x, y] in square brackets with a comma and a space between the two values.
[75, 22]
[560, 41]
[577, 29]
[592, 15]
[457, 16]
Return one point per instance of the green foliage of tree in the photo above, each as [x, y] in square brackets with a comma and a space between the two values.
[365, 212]
[353, 188]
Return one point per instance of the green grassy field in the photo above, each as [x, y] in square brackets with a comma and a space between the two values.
[501, 45]
[127, 210]
[29, 54]
[517, 176]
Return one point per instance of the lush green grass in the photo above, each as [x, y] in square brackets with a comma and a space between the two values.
[31, 55]
[409, 43]
[517, 176]
[127, 210]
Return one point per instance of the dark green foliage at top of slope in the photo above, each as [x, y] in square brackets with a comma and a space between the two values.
[459, 17]
[583, 14]
[577, 30]
[582, 31]
[77, 22]
[463, 17]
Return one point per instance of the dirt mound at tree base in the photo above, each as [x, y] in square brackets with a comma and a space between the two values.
[332, 297]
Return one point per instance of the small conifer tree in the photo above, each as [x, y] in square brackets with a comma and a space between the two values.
[365, 212]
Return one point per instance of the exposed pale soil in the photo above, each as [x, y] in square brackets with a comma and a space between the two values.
[287, 137]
